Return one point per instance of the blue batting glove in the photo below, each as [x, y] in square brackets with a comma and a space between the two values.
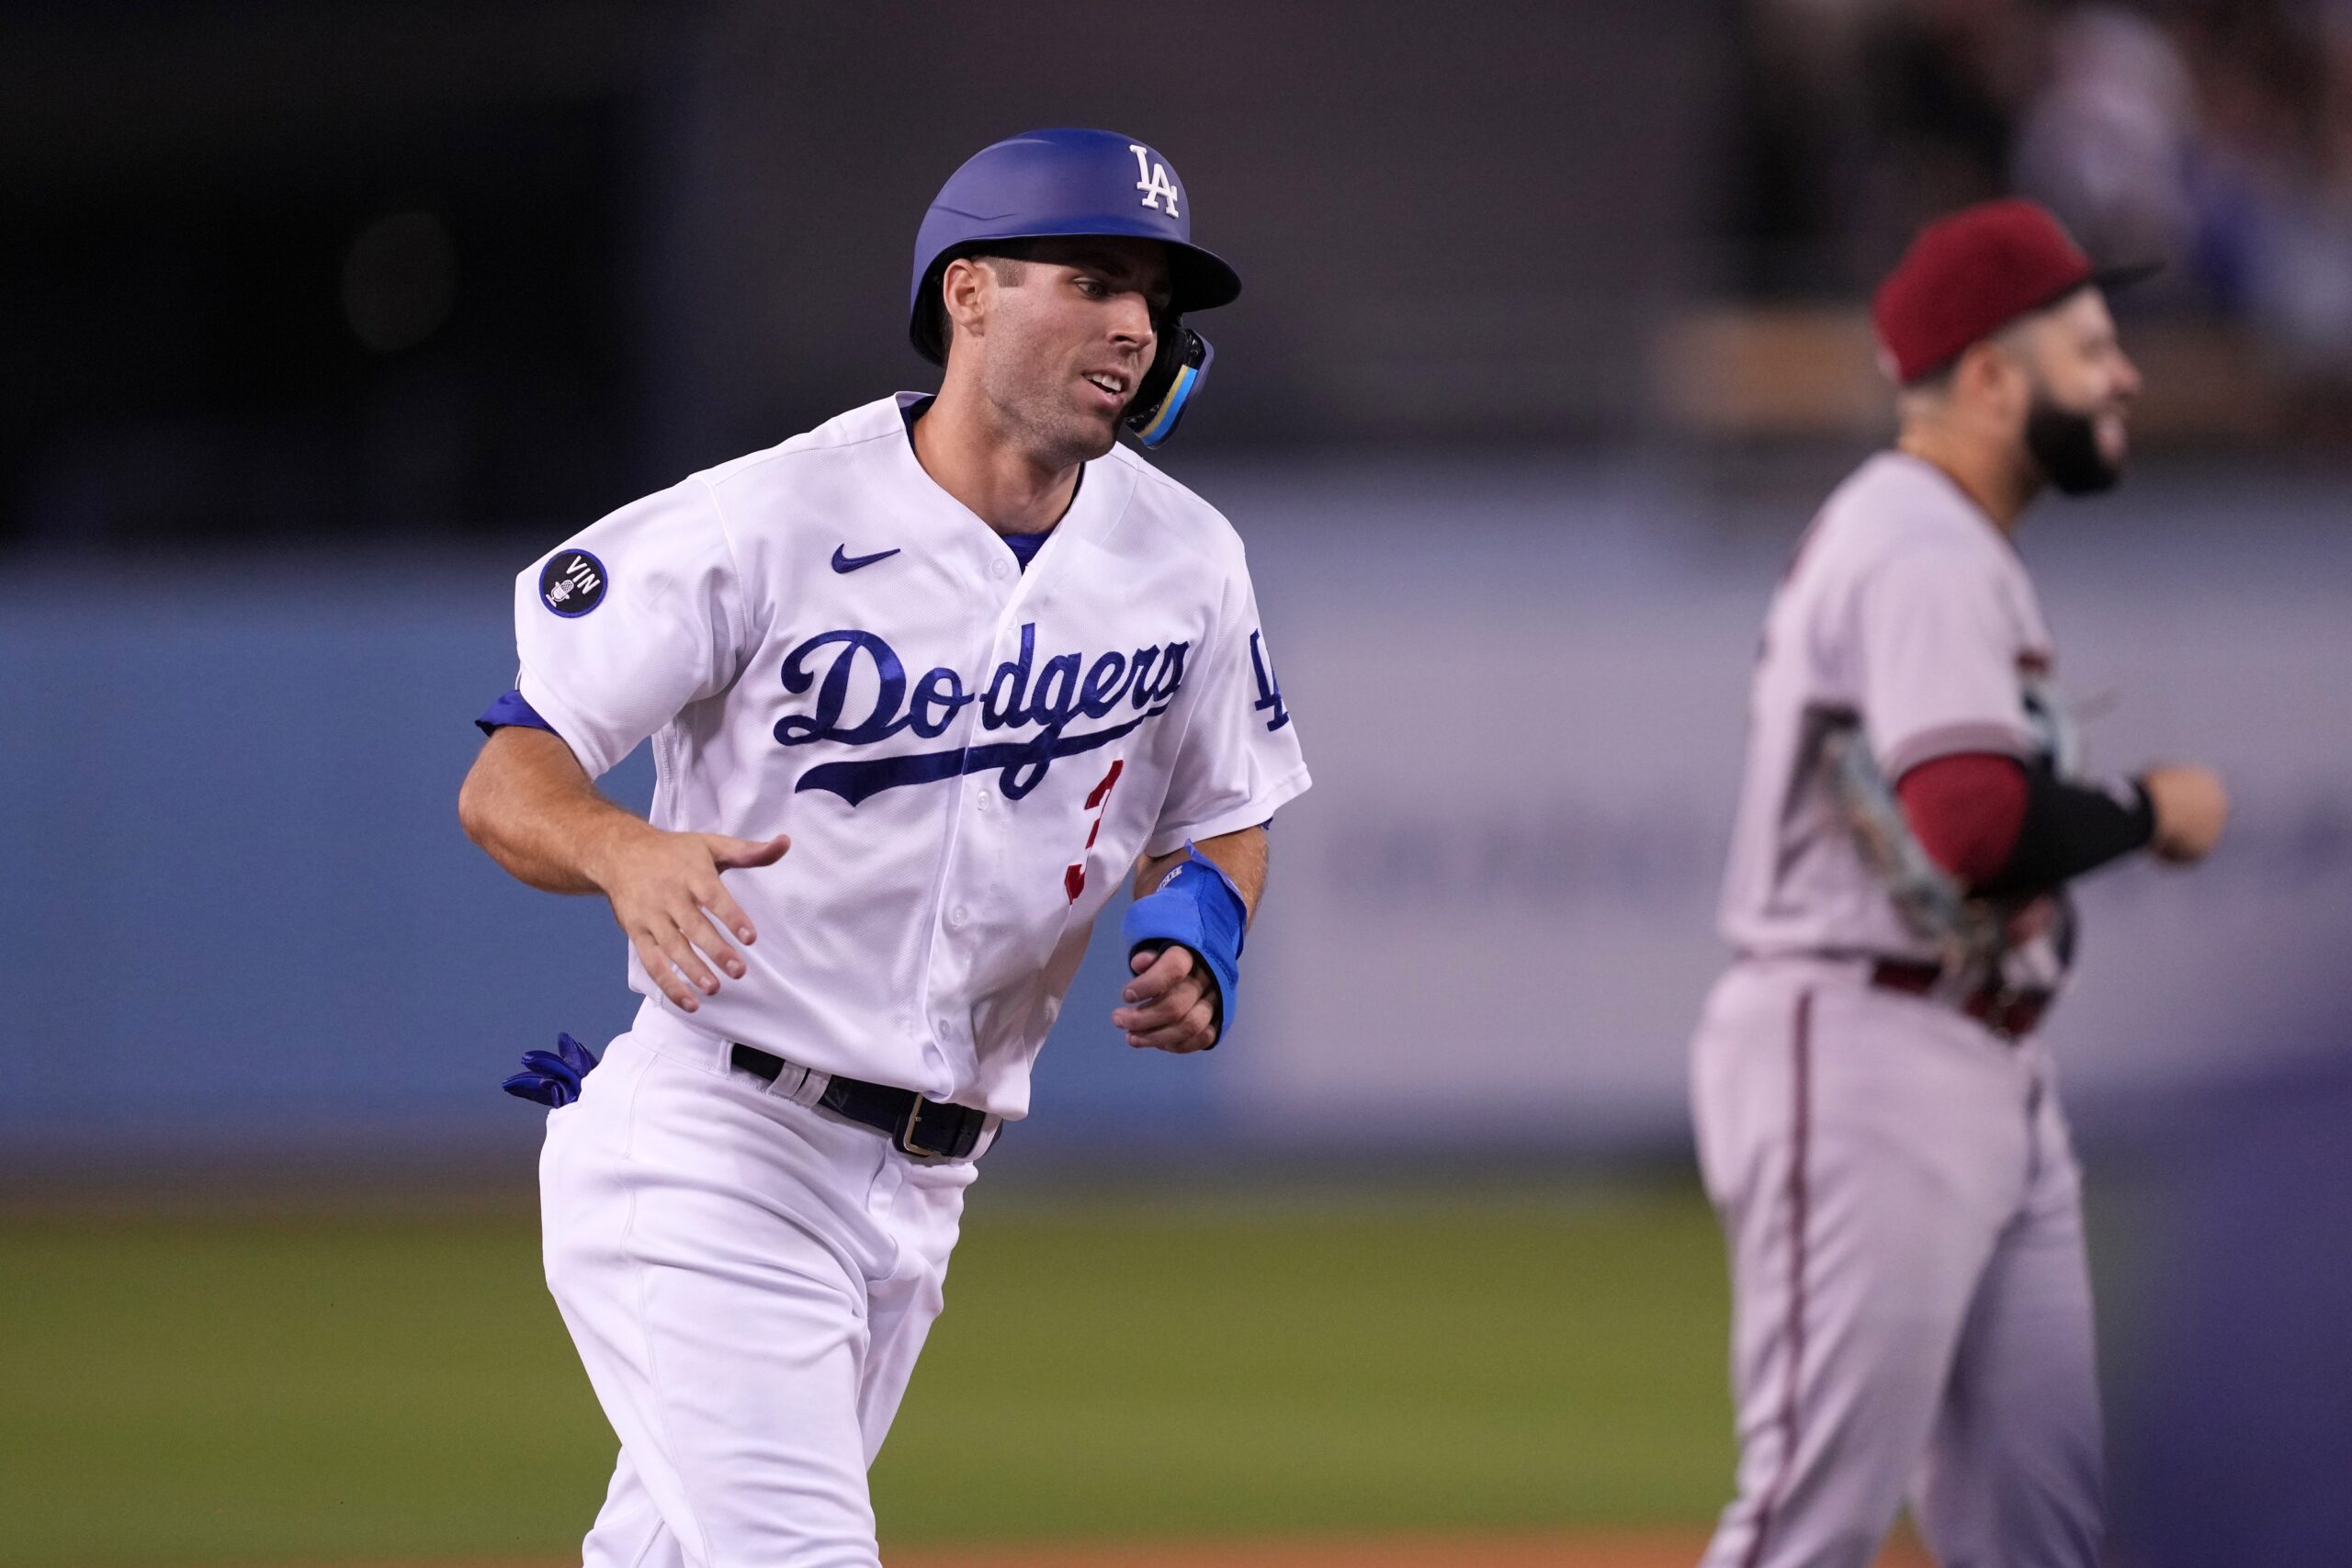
[553, 1078]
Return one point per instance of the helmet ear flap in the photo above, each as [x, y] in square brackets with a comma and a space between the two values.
[1177, 368]
[931, 320]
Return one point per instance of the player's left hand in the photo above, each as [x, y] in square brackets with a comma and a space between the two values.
[1171, 1003]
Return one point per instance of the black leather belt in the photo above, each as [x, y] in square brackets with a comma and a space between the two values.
[931, 1129]
[2009, 1015]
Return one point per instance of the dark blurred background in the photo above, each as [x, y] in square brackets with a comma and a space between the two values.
[366, 272]
[323, 320]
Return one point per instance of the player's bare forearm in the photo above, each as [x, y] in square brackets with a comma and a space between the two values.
[1241, 856]
[533, 808]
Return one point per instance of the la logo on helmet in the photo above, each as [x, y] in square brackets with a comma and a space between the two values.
[1151, 178]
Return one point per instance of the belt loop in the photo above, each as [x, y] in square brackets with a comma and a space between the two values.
[800, 1085]
[811, 1086]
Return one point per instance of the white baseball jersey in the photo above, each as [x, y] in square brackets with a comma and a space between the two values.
[969, 757]
[1906, 607]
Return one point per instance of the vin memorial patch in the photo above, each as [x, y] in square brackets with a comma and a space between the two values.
[572, 583]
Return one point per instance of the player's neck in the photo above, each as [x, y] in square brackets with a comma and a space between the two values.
[986, 468]
[1984, 474]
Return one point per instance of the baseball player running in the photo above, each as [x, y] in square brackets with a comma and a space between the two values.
[1878, 1125]
[923, 683]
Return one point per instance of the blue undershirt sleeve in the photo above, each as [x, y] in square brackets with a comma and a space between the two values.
[510, 710]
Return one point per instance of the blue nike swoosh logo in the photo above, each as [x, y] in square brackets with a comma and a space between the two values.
[845, 561]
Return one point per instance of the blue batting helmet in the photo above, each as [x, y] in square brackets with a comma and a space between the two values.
[1071, 183]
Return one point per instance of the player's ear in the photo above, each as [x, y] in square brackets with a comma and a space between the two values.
[967, 288]
[1990, 375]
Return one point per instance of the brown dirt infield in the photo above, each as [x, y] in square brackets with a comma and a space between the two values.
[1606, 1548]
[1581, 1548]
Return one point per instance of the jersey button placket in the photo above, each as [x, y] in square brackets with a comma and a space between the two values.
[968, 852]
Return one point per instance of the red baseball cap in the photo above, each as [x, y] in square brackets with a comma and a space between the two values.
[1969, 275]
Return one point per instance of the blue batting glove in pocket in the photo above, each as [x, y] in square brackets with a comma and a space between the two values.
[553, 1078]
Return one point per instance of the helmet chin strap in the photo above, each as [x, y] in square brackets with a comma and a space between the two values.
[1176, 374]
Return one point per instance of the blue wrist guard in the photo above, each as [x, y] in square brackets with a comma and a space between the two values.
[1196, 906]
[553, 1078]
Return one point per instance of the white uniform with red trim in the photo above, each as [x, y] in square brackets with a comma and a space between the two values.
[1911, 1307]
[969, 757]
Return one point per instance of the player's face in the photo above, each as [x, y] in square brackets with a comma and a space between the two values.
[2082, 390]
[1067, 343]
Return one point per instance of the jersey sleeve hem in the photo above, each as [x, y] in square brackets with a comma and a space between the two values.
[566, 723]
[1949, 739]
[1258, 809]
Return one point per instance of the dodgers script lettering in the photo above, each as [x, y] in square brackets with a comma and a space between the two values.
[1021, 692]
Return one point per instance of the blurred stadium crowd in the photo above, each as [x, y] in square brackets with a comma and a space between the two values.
[2213, 134]
[373, 272]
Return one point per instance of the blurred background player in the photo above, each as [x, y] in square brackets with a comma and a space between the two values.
[979, 662]
[1878, 1122]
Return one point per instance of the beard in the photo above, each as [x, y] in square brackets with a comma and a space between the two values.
[2063, 444]
[1036, 409]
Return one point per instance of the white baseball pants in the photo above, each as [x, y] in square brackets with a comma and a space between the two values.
[749, 1280]
[1911, 1305]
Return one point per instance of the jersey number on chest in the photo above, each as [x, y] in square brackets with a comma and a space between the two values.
[1097, 801]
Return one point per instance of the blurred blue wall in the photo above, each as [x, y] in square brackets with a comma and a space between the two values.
[237, 914]
[237, 901]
